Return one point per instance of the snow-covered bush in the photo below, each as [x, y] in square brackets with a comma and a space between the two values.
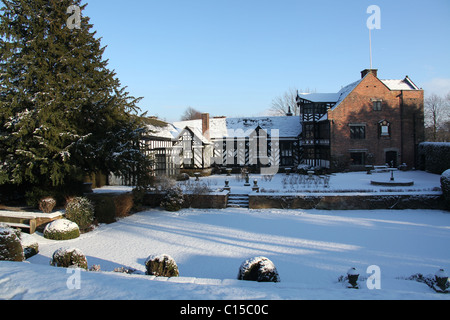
[10, 244]
[61, 229]
[173, 200]
[161, 265]
[445, 185]
[69, 258]
[29, 244]
[46, 205]
[81, 211]
[258, 269]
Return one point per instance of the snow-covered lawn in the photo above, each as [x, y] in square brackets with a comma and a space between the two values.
[311, 249]
[340, 182]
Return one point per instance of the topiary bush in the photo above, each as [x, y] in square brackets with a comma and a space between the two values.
[173, 200]
[46, 205]
[69, 258]
[10, 245]
[258, 269]
[30, 245]
[81, 211]
[161, 266]
[62, 229]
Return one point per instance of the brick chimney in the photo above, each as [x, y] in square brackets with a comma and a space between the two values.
[205, 125]
[365, 72]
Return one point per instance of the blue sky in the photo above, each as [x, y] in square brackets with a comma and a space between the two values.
[232, 58]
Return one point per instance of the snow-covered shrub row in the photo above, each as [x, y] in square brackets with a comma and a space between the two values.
[161, 265]
[69, 258]
[259, 269]
[10, 245]
[434, 156]
[61, 229]
[81, 211]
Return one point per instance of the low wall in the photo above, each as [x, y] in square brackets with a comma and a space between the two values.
[217, 200]
[350, 201]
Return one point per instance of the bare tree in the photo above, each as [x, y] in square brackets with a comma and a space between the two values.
[191, 114]
[287, 102]
[437, 113]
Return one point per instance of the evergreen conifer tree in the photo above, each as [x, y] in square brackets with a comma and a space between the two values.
[63, 113]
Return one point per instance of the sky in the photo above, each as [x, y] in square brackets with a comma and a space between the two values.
[233, 58]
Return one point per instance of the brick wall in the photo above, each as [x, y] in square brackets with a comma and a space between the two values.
[402, 109]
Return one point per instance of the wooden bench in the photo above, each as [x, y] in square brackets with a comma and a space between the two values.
[24, 222]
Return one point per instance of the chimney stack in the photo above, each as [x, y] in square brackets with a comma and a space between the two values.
[372, 71]
[205, 126]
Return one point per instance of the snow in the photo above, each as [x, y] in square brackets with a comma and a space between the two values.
[311, 249]
[405, 84]
[61, 225]
[356, 182]
[242, 127]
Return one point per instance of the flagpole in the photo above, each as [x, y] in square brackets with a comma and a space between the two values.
[370, 41]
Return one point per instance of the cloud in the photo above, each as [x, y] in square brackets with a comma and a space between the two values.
[439, 86]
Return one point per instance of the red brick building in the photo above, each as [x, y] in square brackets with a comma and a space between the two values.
[369, 122]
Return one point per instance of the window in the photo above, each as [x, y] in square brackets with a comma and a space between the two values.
[358, 158]
[286, 155]
[385, 129]
[357, 132]
[377, 105]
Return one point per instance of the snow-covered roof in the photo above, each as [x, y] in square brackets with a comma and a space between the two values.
[166, 132]
[336, 98]
[242, 127]
[287, 126]
[319, 97]
[405, 84]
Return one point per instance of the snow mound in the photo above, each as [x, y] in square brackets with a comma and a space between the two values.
[259, 269]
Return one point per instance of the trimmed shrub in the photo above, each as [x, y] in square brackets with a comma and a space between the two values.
[258, 269]
[161, 266]
[123, 203]
[81, 211]
[46, 205]
[173, 200]
[69, 258]
[434, 156]
[10, 244]
[62, 229]
[30, 246]
[105, 209]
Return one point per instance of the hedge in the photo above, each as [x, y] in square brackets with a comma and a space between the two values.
[434, 157]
